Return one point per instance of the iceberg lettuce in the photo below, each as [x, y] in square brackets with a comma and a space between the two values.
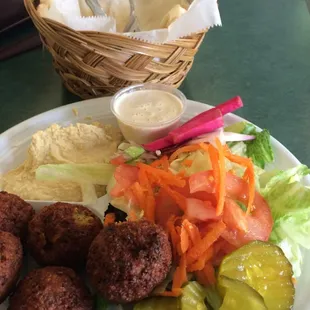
[289, 201]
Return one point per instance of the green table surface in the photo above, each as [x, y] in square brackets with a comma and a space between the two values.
[261, 53]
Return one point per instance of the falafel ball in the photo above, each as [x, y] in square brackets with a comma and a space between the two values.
[11, 259]
[61, 234]
[51, 288]
[15, 213]
[127, 261]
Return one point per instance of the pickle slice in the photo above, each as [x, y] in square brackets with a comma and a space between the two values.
[193, 297]
[239, 296]
[264, 267]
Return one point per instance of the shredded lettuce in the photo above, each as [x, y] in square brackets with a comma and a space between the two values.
[239, 149]
[259, 149]
[289, 201]
[88, 193]
[201, 162]
[98, 174]
[245, 128]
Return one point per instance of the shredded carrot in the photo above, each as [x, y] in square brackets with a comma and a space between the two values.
[162, 163]
[201, 278]
[209, 272]
[246, 162]
[199, 248]
[109, 219]
[132, 216]
[204, 147]
[181, 174]
[245, 175]
[192, 231]
[180, 276]
[174, 293]
[214, 157]
[294, 280]
[184, 240]
[167, 176]
[187, 162]
[251, 175]
[175, 238]
[149, 204]
[149, 212]
[222, 178]
[143, 180]
[177, 197]
[184, 149]
[138, 192]
[201, 262]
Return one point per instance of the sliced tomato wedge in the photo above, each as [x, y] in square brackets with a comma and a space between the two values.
[165, 208]
[234, 217]
[201, 182]
[119, 160]
[259, 221]
[125, 176]
[202, 195]
[199, 210]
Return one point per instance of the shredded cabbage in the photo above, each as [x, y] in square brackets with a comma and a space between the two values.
[201, 162]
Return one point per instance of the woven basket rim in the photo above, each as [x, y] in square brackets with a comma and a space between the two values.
[92, 64]
[47, 21]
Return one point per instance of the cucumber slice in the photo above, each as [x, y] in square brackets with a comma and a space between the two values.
[239, 296]
[264, 267]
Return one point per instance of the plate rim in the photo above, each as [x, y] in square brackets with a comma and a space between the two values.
[11, 132]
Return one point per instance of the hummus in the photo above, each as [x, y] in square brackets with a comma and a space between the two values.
[80, 143]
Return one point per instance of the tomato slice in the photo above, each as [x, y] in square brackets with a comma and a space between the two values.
[259, 222]
[125, 176]
[119, 160]
[165, 208]
[202, 195]
[233, 216]
[202, 182]
[197, 209]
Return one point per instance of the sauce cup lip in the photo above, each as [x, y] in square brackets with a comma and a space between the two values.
[149, 86]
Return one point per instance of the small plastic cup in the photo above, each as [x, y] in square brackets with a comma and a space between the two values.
[147, 132]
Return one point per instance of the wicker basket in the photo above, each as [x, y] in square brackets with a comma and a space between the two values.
[94, 64]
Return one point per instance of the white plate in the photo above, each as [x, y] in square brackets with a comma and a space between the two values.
[15, 141]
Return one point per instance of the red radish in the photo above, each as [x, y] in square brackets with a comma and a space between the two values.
[230, 105]
[158, 144]
[226, 107]
[203, 123]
